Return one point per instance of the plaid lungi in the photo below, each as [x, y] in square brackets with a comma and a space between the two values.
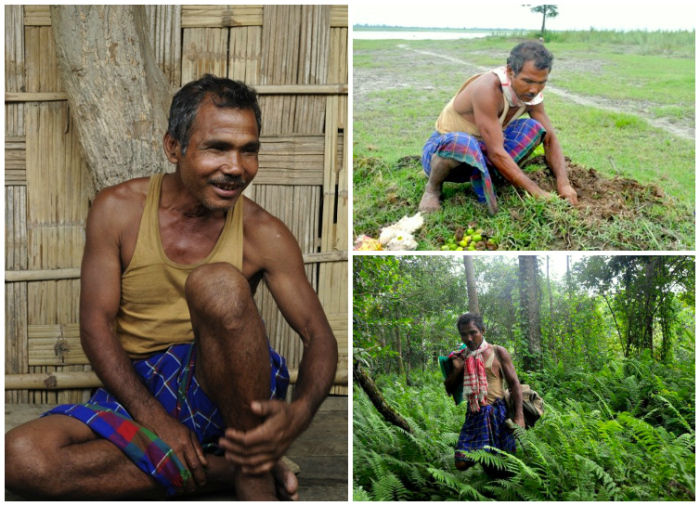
[521, 137]
[487, 427]
[169, 376]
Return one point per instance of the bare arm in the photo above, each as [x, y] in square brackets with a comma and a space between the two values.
[277, 255]
[554, 153]
[300, 306]
[99, 303]
[513, 383]
[486, 119]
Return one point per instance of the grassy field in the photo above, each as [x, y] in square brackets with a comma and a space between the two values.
[622, 104]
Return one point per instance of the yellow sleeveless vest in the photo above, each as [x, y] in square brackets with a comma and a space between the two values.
[495, 383]
[153, 313]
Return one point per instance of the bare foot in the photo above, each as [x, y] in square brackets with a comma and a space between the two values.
[255, 487]
[286, 482]
[430, 201]
[220, 475]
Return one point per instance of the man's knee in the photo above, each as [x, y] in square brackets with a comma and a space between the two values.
[26, 462]
[463, 465]
[218, 291]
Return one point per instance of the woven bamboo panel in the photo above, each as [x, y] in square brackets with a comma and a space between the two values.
[201, 16]
[58, 202]
[14, 68]
[292, 159]
[15, 161]
[165, 23]
[284, 48]
[41, 66]
[339, 16]
[338, 69]
[204, 51]
[244, 54]
[37, 15]
[16, 360]
[55, 345]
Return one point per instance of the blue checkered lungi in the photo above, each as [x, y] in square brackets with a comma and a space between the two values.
[170, 378]
[521, 137]
[486, 427]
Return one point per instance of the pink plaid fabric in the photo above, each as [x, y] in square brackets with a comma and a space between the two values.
[475, 383]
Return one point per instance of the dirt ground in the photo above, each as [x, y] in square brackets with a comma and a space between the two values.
[392, 75]
[599, 197]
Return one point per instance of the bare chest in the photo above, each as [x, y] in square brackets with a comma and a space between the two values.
[188, 241]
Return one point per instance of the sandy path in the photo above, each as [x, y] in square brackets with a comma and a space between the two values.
[364, 83]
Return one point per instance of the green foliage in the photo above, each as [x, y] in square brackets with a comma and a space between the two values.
[591, 444]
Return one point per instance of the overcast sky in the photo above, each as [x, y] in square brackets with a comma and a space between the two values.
[499, 14]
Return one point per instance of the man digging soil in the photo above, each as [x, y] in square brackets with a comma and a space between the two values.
[481, 129]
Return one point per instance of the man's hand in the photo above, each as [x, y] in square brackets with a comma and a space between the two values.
[519, 420]
[457, 362]
[186, 446]
[568, 193]
[259, 449]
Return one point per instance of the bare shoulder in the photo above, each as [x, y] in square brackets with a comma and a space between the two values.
[485, 86]
[122, 196]
[118, 208]
[502, 353]
[268, 241]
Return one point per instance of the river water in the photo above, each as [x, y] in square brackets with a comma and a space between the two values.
[418, 35]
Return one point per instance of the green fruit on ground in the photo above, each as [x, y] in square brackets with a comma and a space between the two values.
[479, 231]
[476, 237]
[445, 248]
[463, 243]
[471, 248]
[470, 231]
[459, 248]
[492, 241]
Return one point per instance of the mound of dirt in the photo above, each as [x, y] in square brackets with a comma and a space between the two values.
[600, 197]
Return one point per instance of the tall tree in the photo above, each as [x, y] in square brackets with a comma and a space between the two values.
[547, 11]
[471, 284]
[118, 96]
[530, 311]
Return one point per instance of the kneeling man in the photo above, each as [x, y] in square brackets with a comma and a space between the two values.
[481, 129]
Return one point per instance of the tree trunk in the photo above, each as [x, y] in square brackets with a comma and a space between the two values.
[530, 305]
[408, 359]
[377, 399]
[552, 349]
[473, 302]
[119, 98]
[399, 355]
[544, 17]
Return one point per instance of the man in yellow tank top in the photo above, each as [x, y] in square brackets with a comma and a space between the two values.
[479, 131]
[479, 369]
[193, 393]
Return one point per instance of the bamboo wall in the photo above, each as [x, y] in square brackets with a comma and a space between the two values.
[297, 59]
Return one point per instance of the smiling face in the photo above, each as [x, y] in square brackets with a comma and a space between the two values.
[529, 82]
[221, 158]
[471, 335]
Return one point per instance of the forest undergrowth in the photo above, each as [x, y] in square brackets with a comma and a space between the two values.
[623, 432]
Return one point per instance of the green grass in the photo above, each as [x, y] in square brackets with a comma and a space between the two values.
[394, 121]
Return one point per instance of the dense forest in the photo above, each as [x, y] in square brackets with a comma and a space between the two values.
[608, 341]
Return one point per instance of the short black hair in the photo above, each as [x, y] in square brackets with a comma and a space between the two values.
[224, 93]
[530, 51]
[468, 318]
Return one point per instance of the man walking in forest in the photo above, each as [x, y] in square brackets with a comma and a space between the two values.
[478, 370]
[480, 130]
[193, 395]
